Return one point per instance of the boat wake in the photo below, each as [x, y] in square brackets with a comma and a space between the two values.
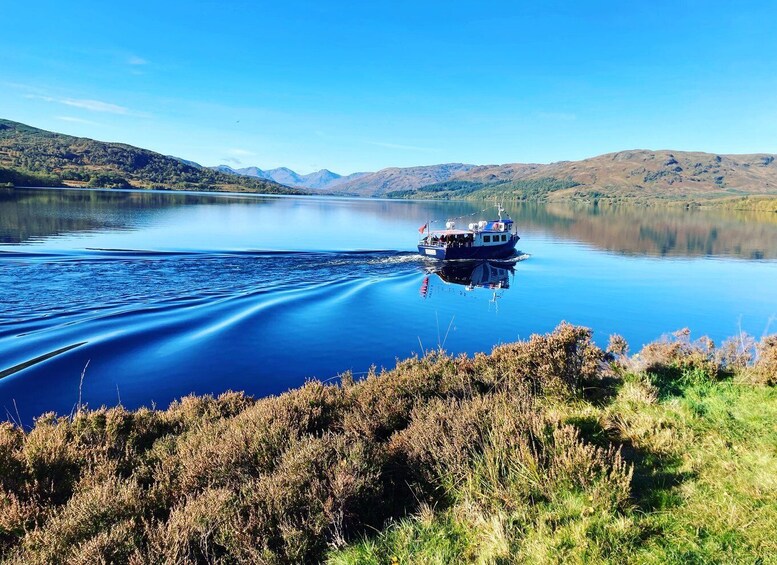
[140, 315]
[154, 326]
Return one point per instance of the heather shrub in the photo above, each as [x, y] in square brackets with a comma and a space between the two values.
[321, 489]
[115, 545]
[678, 352]
[381, 403]
[226, 451]
[92, 511]
[737, 353]
[192, 411]
[617, 345]
[52, 459]
[285, 479]
[571, 464]
[446, 434]
[764, 370]
[198, 529]
[503, 451]
[16, 516]
[559, 363]
[12, 467]
[634, 418]
[118, 434]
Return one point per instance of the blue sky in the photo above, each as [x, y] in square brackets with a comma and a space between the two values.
[354, 86]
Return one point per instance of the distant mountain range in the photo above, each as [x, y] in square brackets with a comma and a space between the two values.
[393, 179]
[319, 180]
[357, 184]
[31, 156]
[631, 174]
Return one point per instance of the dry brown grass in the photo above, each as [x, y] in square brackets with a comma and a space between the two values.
[765, 368]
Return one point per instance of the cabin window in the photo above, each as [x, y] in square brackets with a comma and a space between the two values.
[486, 239]
[504, 238]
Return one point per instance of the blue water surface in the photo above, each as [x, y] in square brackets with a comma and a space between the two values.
[155, 295]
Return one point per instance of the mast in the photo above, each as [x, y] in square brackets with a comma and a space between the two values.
[499, 210]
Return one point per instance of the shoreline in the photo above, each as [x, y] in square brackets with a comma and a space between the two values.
[744, 203]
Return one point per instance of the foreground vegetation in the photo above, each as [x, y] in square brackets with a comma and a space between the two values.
[543, 451]
[33, 157]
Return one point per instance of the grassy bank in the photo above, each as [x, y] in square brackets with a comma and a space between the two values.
[544, 450]
[747, 203]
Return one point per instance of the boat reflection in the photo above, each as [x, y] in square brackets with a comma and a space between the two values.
[491, 275]
[471, 274]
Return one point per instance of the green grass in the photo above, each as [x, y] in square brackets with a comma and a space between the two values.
[704, 489]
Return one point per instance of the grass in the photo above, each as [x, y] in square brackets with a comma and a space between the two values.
[702, 445]
[546, 450]
[750, 203]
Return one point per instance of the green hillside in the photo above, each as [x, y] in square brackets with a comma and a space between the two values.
[525, 189]
[34, 157]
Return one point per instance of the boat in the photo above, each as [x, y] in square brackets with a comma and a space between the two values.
[486, 239]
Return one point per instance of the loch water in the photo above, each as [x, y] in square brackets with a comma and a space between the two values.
[150, 296]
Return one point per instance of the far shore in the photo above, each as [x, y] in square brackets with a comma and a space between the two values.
[749, 203]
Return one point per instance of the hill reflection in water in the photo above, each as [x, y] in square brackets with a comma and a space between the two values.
[29, 216]
[666, 232]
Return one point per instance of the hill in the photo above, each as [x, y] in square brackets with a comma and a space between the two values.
[34, 157]
[633, 174]
[543, 451]
[395, 178]
[31, 156]
[319, 180]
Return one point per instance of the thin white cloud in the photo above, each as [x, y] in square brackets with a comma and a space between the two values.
[402, 147]
[95, 106]
[135, 60]
[89, 104]
[40, 97]
[21, 86]
[232, 160]
[77, 120]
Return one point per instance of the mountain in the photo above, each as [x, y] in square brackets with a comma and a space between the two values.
[319, 180]
[225, 169]
[185, 162]
[395, 178]
[30, 156]
[630, 174]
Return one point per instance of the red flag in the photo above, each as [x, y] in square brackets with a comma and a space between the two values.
[422, 228]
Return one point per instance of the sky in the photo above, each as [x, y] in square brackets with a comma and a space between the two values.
[359, 86]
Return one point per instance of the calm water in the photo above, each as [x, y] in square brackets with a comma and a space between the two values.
[166, 294]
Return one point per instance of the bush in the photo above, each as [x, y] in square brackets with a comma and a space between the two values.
[678, 352]
[559, 363]
[765, 369]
